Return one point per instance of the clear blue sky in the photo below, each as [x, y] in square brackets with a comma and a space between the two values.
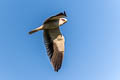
[92, 37]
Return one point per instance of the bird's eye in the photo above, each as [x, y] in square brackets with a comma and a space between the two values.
[63, 19]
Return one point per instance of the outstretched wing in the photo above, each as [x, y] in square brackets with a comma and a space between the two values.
[54, 42]
[60, 15]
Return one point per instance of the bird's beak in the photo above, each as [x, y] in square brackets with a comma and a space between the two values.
[65, 20]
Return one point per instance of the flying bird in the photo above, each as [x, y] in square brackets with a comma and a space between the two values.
[53, 39]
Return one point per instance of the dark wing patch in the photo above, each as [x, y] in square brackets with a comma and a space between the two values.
[48, 43]
[60, 15]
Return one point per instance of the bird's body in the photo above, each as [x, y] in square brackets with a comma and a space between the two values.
[54, 40]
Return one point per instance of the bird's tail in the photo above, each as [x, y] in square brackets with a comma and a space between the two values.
[37, 29]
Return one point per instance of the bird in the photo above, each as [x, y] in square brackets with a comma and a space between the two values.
[53, 39]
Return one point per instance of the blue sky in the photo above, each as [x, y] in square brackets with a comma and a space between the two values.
[92, 37]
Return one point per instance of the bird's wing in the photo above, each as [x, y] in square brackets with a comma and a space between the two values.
[60, 15]
[54, 42]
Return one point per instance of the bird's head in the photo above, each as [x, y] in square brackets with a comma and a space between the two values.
[62, 21]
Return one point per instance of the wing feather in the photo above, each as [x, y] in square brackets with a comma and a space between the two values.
[48, 43]
[54, 42]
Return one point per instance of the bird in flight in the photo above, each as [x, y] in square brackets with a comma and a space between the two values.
[53, 39]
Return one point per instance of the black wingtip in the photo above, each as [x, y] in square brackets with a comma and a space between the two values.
[56, 70]
[33, 31]
[65, 13]
[30, 33]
